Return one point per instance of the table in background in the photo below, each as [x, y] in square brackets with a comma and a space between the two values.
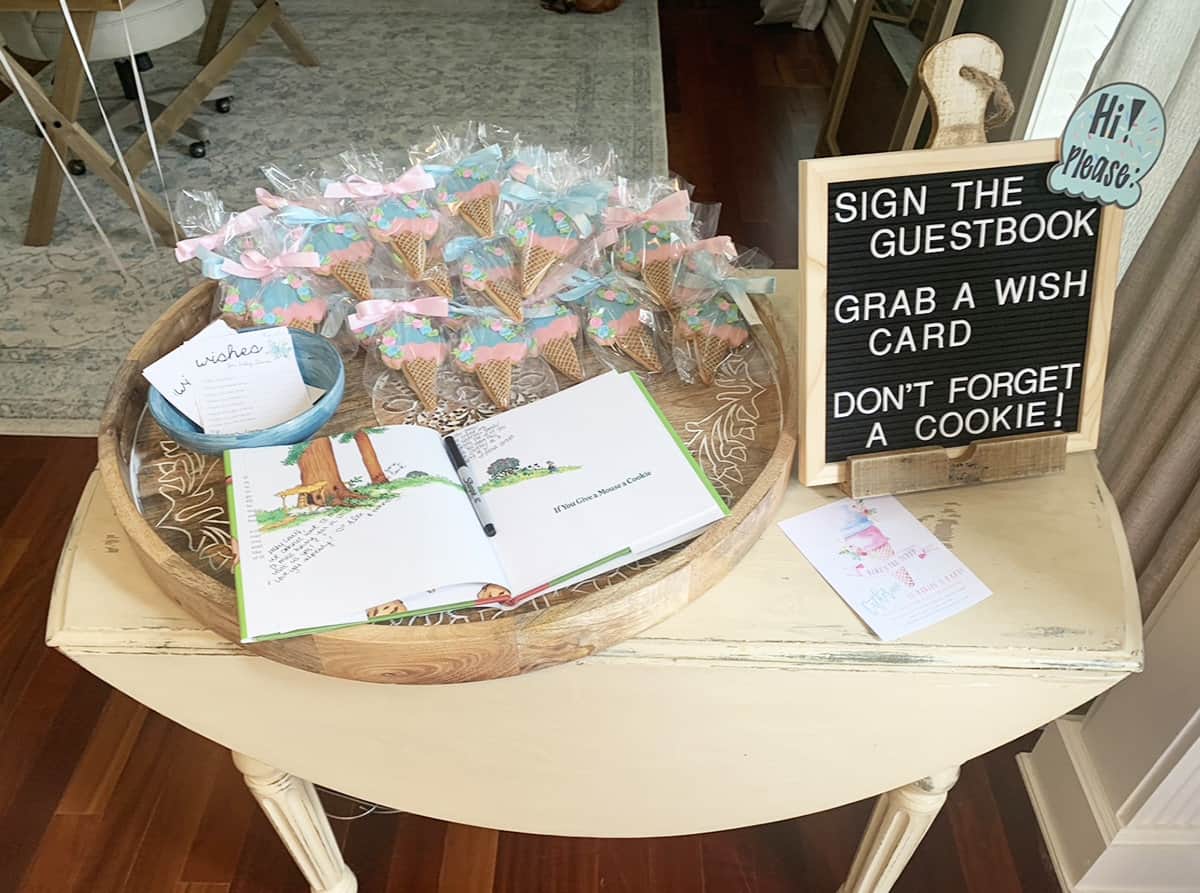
[766, 699]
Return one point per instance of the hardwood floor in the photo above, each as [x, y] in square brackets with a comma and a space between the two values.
[98, 795]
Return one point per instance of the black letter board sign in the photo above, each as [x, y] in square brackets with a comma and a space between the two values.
[949, 297]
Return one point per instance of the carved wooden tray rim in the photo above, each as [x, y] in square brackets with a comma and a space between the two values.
[452, 652]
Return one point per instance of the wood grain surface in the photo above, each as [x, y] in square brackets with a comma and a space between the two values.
[172, 504]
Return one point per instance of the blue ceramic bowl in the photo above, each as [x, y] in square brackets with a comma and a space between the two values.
[320, 366]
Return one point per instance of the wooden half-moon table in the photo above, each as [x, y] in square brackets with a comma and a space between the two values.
[764, 699]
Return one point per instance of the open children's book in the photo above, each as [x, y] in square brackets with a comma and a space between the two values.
[377, 524]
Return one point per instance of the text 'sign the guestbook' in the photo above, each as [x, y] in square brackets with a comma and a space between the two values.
[957, 309]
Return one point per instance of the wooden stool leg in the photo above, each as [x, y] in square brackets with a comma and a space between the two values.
[898, 822]
[293, 808]
[214, 27]
[68, 87]
[291, 37]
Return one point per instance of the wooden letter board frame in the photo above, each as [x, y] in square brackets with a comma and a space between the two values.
[817, 175]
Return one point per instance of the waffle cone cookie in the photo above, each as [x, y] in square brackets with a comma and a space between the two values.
[480, 214]
[353, 275]
[711, 351]
[496, 379]
[504, 294]
[638, 345]
[412, 251]
[659, 276]
[421, 375]
[536, 261]
[438, 278]
[562, 355]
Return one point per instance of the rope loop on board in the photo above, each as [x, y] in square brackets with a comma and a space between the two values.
[1000, 106]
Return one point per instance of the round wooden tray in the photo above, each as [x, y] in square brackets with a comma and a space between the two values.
[171, 503]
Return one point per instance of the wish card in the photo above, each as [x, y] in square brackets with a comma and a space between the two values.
[885, 564]
[172, 374]
[247, 382]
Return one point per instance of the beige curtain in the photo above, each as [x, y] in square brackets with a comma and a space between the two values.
[1150, 438]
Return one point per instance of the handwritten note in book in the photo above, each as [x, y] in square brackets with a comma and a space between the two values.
[885, 564]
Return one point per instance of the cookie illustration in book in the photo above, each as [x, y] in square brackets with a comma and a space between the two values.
[339, 241]
[471, 190]
[509, 470]
[715, 328]
[320, 488]
[490, 347]
[614, 319]
[554, 329]
[489, 267]
[868, 547]
[414, 345]
[387, 609]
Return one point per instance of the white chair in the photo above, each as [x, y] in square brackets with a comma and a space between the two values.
[152, 24]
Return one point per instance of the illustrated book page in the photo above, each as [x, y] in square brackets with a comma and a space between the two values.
[581, 480]
[331, 528]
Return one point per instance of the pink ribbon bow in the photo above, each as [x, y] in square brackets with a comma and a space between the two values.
[368, 313]
[674, 207]
[255, 265]
[239, 224]
[414, 179]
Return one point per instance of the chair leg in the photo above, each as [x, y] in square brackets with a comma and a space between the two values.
[213, 29]
[68, 88]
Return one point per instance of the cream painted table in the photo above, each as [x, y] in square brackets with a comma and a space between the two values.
[765, 699]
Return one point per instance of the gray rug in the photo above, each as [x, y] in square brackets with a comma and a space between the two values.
[388, 72]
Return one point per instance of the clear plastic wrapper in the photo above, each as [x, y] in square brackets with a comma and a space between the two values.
[554, 334]
[398, 208]
[714, 314]
[497, 352]
[469, 165]
[338, 240]
[210, 228]
[487, 270]
[407, 336]
[620, 325]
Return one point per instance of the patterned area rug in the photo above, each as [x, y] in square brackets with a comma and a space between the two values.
[388, 72]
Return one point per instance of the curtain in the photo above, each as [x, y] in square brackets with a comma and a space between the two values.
[1150, 434]
[1158, 46]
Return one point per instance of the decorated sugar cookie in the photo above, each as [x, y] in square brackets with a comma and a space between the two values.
[488, 267]
[715, 327]
[339, 242]
[471, 190]
[489, 347]
[554, 329]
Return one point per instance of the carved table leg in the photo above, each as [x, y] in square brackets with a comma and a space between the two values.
[293, 808]
[898, 822]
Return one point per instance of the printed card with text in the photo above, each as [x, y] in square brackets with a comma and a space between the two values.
[885, 564]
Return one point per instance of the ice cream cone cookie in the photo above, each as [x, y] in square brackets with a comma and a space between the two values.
[471, 190]
[288, 300]
[715, 328]
[543, 236]
[490, 347]
[488, 268]
[614, 319]
[437, 278]
[340, 243]
[414, 345]
[554, 329]
[236, 293]
[652, 249]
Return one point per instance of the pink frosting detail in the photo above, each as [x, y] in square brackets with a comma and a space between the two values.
[512, 352]
[304, 311]
[425, 227]
[558, 244]
[668, 251]
[428, 350]
[360, 250]
[628, 321]
[734, 336]
[563, 327]
[486, 189]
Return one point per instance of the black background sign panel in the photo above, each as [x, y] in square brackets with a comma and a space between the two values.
[1024, 335]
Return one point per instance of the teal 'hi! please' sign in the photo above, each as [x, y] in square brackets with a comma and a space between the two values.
[1112, 140]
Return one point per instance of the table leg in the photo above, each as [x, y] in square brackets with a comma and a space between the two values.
[898, 822]
[293, 808]
[291, 39]
[214, 27]
[68, 88]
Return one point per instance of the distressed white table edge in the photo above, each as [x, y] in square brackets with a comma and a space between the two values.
[528, 754]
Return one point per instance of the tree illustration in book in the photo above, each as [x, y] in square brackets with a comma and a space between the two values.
[323, 488]
[507, 471]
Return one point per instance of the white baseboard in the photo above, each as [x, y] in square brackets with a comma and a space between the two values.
[1090, 848]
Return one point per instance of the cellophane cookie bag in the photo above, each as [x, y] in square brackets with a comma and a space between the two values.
[400, 213]
[497, 353]
[468, 163]
[405, 334]
[714, 313]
